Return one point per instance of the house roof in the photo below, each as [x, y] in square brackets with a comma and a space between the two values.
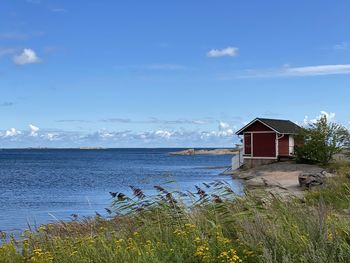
[279, 126]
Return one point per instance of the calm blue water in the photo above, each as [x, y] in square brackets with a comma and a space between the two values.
[38, 186]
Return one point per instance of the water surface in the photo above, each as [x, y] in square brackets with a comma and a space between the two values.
[39, 185]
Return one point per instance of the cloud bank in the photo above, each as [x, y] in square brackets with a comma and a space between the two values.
[223, 136]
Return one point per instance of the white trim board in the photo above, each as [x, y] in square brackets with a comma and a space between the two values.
[260, 132]
[264, 158]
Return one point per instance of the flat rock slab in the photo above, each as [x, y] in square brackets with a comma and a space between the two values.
[281, 177]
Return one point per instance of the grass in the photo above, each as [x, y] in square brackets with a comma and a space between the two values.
[217, 226]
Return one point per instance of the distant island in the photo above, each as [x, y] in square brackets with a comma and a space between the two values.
[92, 148]
[223, 151]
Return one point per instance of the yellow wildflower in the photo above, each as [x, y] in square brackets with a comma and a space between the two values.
[40, 256]
[229, 256]
[179, 232]
[202, 252]
[119, 243]
[190, 226]
[330, 237]
[197, 240]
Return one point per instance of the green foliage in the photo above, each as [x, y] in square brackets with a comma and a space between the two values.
[319, 142]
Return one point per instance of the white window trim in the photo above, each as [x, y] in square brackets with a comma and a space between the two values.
[291, 145]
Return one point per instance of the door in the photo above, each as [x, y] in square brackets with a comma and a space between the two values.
[264, 145]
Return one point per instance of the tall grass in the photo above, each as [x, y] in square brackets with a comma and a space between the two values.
[211, 225]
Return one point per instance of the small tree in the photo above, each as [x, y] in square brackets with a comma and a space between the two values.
[320, 141]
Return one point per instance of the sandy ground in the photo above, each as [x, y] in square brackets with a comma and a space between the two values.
[278, 178]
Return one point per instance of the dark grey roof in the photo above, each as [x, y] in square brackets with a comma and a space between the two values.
[280, 126]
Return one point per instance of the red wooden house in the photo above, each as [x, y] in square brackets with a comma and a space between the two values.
[267, 140]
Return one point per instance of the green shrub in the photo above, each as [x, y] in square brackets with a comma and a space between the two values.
[319, 142]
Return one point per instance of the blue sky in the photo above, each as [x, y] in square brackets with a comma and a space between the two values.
[167, 73]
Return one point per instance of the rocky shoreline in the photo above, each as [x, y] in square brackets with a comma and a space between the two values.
[282, 178]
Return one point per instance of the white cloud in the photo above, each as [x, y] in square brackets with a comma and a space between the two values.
[229, 52]
[28, 56]
[222, 136]
[223, 125]
[318, 70]
[104, 134]
[200, 122]
[329, 115]
[224, 130]
[12, 133]
[33, 130]
[164, 134]
[287, 71]
[51, 136]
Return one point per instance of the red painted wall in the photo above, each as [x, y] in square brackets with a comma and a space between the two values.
[264, 144]
[283, 145]
[257, 126]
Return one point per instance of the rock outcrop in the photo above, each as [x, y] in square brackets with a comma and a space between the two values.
[307, 180]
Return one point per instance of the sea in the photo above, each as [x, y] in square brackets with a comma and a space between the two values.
[39, 186]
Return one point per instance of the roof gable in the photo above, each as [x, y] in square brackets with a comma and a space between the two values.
[279, 126]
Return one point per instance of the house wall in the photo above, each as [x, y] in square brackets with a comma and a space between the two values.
[257, 126]
[283, 146]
